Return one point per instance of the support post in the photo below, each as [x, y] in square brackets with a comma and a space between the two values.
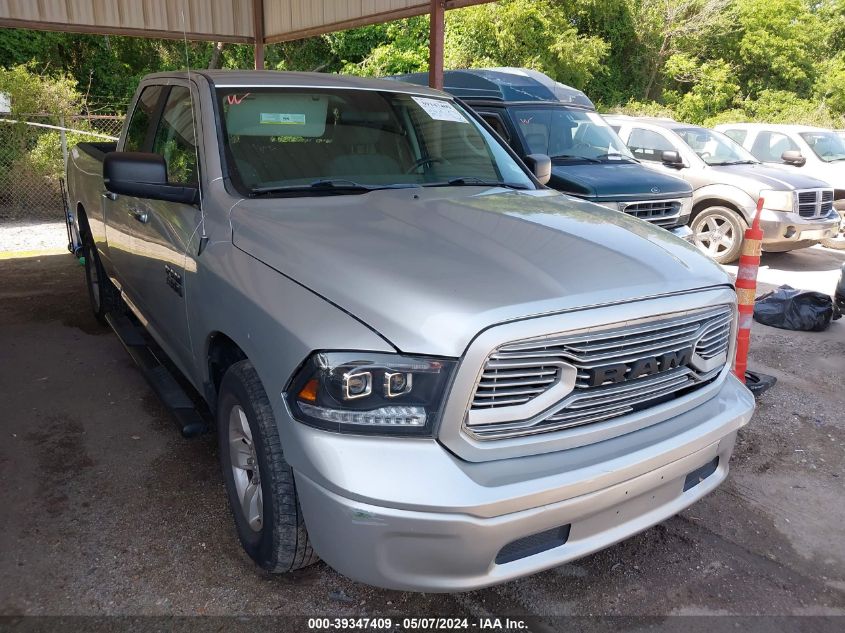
[258, 31]
[63, 141]
[435, 46]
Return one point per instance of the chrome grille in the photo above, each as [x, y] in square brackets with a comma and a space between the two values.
[659, 212]
[814, 203]
[516, 373]
[512, 382]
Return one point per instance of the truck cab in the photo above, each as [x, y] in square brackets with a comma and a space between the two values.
[536, 115]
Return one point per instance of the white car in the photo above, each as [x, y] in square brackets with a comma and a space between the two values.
[814, 151]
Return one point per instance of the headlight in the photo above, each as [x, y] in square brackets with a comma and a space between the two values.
[778, 200]
[368, 392]
[686, 209]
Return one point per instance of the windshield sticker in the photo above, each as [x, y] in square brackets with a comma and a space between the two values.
[440, 110]
[236, 99]
[282, 118]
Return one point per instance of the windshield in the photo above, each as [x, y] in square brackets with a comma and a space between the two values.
[715, 148]
[828, 146]
[569, 135]
[347, 141]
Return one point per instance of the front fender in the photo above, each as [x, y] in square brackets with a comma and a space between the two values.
[721, 193]
[275, 321]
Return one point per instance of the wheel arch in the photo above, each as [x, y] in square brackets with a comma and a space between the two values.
[706, 203]
[81, 218]
[221, 353]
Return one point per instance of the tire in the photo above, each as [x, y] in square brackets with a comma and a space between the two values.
[717, 232]
[103, 295]
[272, 530]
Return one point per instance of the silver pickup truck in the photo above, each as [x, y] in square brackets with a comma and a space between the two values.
[427, 368]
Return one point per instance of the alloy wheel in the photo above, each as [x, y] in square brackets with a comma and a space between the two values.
[245, 468]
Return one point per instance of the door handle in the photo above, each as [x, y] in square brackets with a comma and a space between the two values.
[109, 195]
[141, 215]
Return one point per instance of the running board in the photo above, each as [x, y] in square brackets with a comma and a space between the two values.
[188, 419]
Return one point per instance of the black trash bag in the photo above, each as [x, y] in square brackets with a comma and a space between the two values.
[791, 309]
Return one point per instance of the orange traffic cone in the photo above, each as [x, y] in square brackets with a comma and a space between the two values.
[746, 289]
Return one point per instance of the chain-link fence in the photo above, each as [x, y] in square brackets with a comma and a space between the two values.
[32, 161]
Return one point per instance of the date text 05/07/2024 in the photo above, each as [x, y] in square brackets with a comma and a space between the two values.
[421, 624]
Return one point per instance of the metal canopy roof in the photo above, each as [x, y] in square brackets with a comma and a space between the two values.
[244, 21]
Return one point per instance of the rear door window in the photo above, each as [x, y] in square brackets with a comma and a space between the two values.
[648, 145]
[139, 132]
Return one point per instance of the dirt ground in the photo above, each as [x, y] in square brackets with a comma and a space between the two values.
[107, 510]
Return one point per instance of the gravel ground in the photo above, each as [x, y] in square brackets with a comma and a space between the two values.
[106, 510]
[33, 236]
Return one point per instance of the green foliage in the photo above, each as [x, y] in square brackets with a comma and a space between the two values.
[401, 47]
[523, 33]
[32, 93]
[713, 87]
[779, 44]
[698, 60]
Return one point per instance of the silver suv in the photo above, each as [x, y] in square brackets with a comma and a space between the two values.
[727, 181]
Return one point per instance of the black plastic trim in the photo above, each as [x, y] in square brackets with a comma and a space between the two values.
[700, 474]
[533, 544]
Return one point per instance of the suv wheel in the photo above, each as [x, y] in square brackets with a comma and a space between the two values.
[259, 482]
[718, 231]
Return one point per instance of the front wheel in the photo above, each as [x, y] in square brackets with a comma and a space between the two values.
[259, 482]
[718, 232]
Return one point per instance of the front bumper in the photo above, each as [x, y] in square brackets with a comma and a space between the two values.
[788, 231]
[440, 523]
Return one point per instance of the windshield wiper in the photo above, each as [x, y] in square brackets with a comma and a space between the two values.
[734, 162]
[574, 157]
[328, 185]
[474, 181]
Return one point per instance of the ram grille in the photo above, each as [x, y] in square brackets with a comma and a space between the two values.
[680, 353]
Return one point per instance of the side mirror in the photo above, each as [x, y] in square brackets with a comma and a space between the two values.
[541, 166]
[671, 158]
[793, 157]
[144, 175]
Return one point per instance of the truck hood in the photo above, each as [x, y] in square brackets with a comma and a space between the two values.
[831, 173]
[429, 268]
[754, 177]
[616, 181]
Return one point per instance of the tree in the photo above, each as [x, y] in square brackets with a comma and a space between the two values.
[523, 33]
[779, 44]
[668, 23]
[713, 87]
